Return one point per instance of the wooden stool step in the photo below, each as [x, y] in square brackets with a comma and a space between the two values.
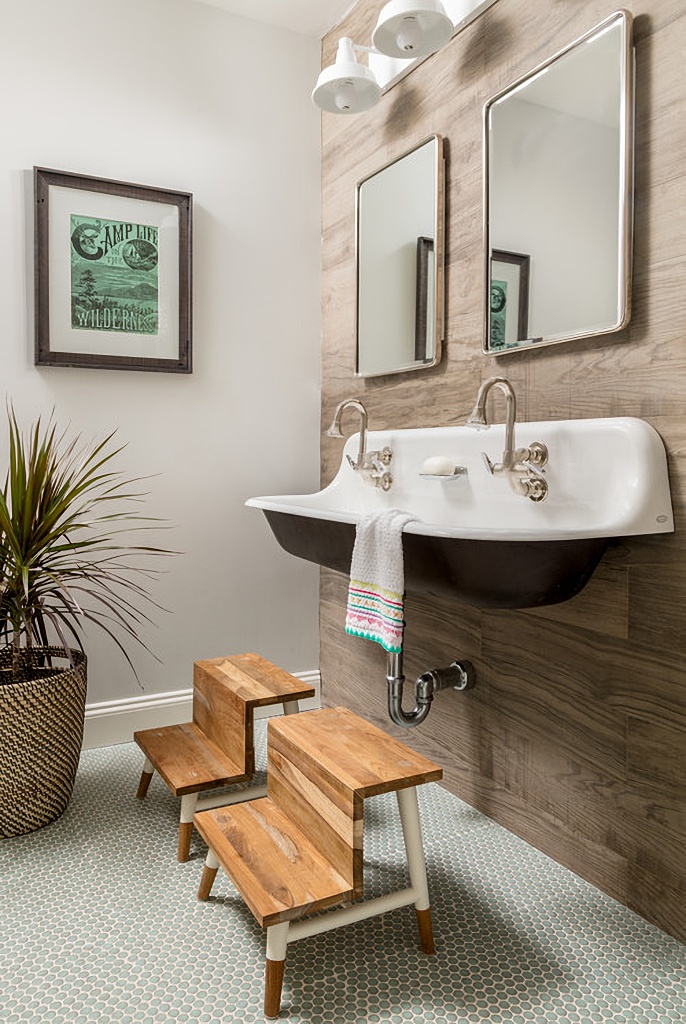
[350, 753]
[216, 749]
[300, 850]
[257, 843]
[187, 760]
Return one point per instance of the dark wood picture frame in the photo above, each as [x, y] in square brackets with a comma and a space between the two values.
[425, 250]
[129, 249]
[520, 264]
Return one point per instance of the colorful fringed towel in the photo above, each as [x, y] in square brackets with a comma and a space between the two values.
[377, 580]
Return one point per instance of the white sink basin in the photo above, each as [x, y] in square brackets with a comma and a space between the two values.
[606, 478]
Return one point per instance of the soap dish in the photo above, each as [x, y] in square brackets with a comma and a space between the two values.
[457, 472]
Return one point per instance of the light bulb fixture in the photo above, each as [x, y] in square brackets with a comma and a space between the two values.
[412, 28]
[406, 29]
[346, 87]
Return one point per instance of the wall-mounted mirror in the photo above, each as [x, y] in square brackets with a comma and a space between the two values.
[558, 195]
[399, 231]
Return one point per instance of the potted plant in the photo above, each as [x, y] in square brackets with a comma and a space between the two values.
[66, 558]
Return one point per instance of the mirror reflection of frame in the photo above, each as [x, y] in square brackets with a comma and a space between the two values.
[509, 303]
[558, 195]
[399, 246]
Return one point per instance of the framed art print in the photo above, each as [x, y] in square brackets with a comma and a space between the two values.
[509, 300]
[112, 274]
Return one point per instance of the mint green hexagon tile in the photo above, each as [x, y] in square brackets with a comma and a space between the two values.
[101, 925]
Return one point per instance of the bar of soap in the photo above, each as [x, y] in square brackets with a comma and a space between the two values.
[438, 465]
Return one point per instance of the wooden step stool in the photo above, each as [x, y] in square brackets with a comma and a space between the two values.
[299, 850]
[217, 748]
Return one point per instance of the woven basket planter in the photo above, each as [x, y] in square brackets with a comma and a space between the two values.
[41, 731]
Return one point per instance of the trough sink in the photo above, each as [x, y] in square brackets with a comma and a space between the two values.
[473, 537]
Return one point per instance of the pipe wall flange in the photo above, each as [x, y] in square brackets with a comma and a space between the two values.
[466, 675]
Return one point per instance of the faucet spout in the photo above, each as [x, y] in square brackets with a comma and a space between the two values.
[478, 416]
[335, 428]
[517, 463]
[373, 466]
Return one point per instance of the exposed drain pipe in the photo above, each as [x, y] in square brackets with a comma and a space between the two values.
[458, 676]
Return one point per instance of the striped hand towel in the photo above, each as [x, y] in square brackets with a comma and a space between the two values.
[377, 580]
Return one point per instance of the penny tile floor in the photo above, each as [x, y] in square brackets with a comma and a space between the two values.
[98, 923]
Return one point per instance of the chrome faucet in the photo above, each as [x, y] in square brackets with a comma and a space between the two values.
[373, 465]
[521, 465]
[335, 428]
[478, 418]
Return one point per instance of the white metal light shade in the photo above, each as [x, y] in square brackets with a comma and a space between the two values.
[346, 87]
[412, 28]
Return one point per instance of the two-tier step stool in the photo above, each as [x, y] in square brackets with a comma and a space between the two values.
[299, 849]
[217, 748]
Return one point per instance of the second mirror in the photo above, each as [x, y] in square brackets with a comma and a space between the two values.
[399, 226]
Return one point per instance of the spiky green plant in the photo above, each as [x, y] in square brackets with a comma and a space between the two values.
[66, 555]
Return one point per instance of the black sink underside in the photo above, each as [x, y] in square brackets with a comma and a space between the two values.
[482, 573]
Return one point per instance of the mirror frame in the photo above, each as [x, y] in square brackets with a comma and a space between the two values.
[626, 188]
[439, 252]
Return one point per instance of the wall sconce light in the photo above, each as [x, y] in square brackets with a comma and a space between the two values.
[409, 29]
[405, 29]
[346, 87]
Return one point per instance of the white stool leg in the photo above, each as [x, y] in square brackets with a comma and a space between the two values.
[188, 805]
[277, 941]
[416, 863]
[146, 775]
[208, 876]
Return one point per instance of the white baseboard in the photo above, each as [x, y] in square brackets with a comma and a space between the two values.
[115, 721]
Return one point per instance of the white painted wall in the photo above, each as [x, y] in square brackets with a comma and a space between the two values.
[183, 96]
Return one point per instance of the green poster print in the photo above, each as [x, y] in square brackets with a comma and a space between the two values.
[114, 276]
[498, 314]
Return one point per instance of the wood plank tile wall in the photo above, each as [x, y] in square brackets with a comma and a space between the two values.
[574, 737]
